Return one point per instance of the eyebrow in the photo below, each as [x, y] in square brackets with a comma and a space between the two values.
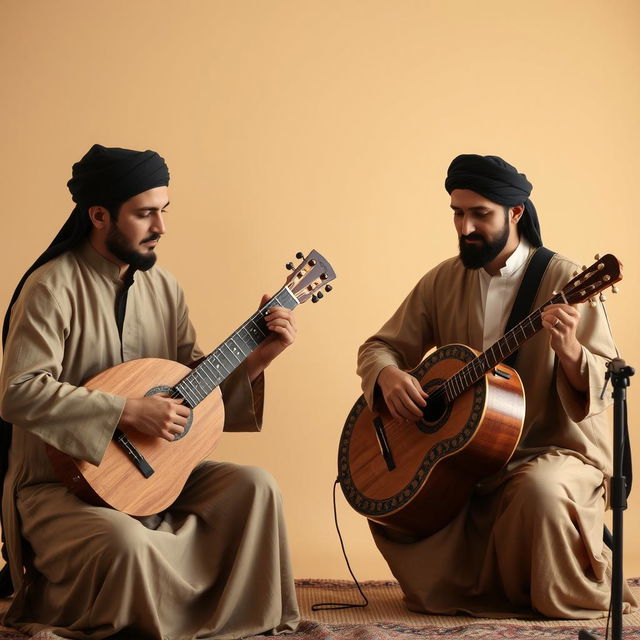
[153, 208]
[480, 208]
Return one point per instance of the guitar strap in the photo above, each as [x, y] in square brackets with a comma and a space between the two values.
[527, 292]
[522, 307]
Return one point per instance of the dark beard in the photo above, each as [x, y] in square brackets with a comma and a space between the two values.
[476, 256]
[118, 245]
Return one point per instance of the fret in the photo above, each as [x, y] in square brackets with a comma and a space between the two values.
[530, 320]
[219, 364]
[449, 393]
[230, 366]
[249, 341]
[213, 374]
[204, 370]
[184, 393]
[494, 358]
[496, 353]
[256, 331]
[193, 388]
[199, 383]
[286, 299]
[236, 343]
[232, 347]
[230, 356]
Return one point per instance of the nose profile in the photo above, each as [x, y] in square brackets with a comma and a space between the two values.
[158, 225]
[467, 226]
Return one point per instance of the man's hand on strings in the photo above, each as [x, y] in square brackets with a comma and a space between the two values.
[156, 415]
[402, 394]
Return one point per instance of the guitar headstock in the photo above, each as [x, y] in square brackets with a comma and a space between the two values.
[308, 279]
[601, 275]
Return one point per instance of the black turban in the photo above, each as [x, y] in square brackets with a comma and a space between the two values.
[105, 176]
[497, 180]
[109, 176]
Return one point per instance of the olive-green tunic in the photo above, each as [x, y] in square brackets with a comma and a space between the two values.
[530, 539]
[215, 564]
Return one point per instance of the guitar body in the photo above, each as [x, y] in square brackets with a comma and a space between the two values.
[116, 482]
[432, 465]
[142, 475]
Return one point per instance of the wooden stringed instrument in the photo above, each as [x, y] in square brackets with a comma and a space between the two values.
[416, 477]
[142, 475]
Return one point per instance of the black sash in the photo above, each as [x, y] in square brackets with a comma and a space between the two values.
[527, 292]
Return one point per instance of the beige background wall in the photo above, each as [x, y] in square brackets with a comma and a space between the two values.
[292, 125]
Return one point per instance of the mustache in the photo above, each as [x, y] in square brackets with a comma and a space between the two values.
[471, 236]
[151, 238]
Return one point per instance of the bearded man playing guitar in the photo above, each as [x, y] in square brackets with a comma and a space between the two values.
[529, 537]
[215, 563]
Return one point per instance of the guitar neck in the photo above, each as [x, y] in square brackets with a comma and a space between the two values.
[227, 357]
[496, 353]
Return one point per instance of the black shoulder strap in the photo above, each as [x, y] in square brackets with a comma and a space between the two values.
[527, 292]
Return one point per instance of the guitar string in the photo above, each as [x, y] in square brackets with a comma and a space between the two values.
[191, 394]
[480, 362]
[463, 377]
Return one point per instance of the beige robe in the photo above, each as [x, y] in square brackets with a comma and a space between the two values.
[215, 564]
[530, 539]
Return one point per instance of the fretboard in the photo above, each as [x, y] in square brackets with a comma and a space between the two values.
[495, 354]
[219, 364]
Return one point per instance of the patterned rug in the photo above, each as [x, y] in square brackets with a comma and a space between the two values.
[386, 618]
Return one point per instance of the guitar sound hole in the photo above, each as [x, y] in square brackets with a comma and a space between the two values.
[437, 411]
[434, 410]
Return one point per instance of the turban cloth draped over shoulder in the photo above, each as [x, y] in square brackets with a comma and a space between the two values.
[105, 176]
[498, 181]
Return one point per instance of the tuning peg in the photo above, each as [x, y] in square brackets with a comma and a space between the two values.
[319, 295]
[299, 255]
[592, 302]
[289, 266]
[584, 267]
[597, 256]
[602, 297]
[323, 276]
[330, 288]
[614, 289]
[314, 298]
[576, 273]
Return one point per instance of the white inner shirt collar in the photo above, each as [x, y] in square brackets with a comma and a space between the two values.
[498, 293]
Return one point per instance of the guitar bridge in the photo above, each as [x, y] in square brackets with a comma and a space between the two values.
[381, 434]
[502, 374]
[138, 459]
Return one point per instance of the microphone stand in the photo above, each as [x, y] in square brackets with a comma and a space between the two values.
[619, 373]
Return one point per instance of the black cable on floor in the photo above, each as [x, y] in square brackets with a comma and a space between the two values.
[329, 606]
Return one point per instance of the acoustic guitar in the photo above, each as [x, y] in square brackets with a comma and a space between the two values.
[142, 475]
[415, 477]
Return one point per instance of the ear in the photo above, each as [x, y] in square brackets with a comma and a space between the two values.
[516, 212]
[99, 217]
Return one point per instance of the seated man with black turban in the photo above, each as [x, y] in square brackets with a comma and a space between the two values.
[215, 564]
[530, 538]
